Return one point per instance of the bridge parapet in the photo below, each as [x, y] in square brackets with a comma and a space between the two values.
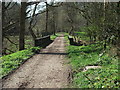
[43, 41]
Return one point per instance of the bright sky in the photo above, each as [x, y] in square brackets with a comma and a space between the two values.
[41, 6]
[34, 0]
[66, 0]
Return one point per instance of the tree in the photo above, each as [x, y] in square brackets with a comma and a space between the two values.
[22, 26]
[46, 17]
[3, 19]
[0, 29]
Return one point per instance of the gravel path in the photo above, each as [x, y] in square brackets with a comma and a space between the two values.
[45, 70]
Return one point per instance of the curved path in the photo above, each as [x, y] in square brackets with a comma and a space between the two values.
[45, 70]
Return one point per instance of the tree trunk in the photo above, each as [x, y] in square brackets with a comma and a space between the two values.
[46, 17]
[22, 26]
[118, 11]
[54, 23]
[1, 29]
[3, 23]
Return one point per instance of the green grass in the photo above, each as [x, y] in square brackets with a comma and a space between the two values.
[52, 37]
[82, 36]
[66, 38]
[12, 61]
[15, 39]
[105, 77]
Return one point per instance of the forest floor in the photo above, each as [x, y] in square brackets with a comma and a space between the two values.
[49, 69]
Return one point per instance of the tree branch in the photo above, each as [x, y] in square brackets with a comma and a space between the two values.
[36, 14]
[32, 3]
[56, 5]
[8, 5]
[11, 41]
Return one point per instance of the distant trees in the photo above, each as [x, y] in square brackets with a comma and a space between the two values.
[100, 21]
[13, 24]
[10, 22]
[105, 23]
[19, 20]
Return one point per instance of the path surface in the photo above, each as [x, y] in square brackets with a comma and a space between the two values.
[45, 70]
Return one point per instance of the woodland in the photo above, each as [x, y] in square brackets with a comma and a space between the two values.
[91, 31]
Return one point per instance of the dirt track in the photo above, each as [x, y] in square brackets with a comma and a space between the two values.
[45, 70]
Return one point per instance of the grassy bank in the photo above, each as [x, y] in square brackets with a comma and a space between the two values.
[13, 47]
[12, 61]
[52, 37]
[93, 55]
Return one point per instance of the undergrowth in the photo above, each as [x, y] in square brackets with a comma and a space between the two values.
[52, 37]
[12, 61]
[93, 55]
[82, 36]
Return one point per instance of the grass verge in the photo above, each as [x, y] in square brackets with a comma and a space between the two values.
[52, 37]
[104, 77]
[12, 61]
